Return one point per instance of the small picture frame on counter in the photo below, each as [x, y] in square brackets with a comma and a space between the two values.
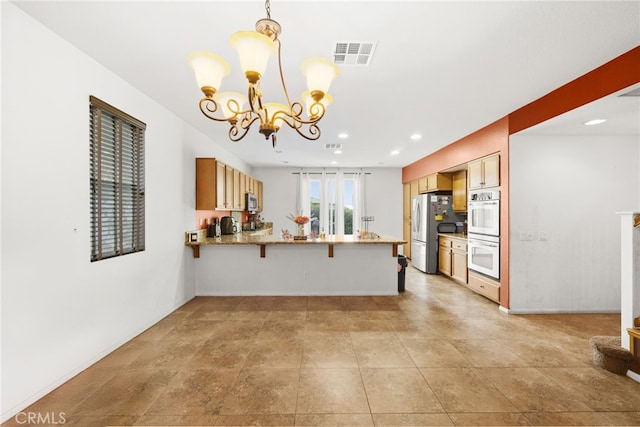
[193, 237]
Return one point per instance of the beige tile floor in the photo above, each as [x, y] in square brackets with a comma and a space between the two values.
[437, 354]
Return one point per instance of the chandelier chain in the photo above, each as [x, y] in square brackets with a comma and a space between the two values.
[267, 8]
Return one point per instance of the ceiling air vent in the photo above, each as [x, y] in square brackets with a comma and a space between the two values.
[333, 146]
[354, 53]
[634, 92]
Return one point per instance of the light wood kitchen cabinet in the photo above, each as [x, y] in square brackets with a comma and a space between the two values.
[414, 187]
[452, 258]
[435, 182]
[221, 179]
[258, 193]
[484, 286]
[444, 255]
[243, 189]
[484, 173]
[206, 184]
[423, 185]
[439, 182]
[221, 187]
[228, 188]
[250, 183]
[406, 219]
[237, 196]
[459, 260]
[459, 179]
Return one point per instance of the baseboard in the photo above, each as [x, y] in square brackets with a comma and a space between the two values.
[294, 294]
[561, 311]
[504, 309]
[633, 376]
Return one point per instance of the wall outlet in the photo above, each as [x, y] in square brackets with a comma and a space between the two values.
[305, 274]
[526, 235]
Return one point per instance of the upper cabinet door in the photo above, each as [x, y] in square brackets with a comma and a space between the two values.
[492, 171]
[460, 191]
[221, 178]
[484, 172]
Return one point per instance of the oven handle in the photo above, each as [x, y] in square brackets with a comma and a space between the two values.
[481, 243]
[483, 202]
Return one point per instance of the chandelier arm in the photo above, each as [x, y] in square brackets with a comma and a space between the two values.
[284, 86]
[312, 134]
[208, 107]
[239, 129]
[316, 107]
[251, 95]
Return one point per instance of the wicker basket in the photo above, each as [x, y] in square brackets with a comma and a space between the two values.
[608, 354]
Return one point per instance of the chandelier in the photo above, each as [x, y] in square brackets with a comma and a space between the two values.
[254, 49]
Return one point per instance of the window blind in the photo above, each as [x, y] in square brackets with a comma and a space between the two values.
[116, 182]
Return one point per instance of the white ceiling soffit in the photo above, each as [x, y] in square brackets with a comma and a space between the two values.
[634, 92]
[354, 52]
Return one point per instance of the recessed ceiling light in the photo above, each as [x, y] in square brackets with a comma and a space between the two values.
[594, 122]
[343, 135]
[415, 137]
[395, 152]
[334, 162]
[337, 152]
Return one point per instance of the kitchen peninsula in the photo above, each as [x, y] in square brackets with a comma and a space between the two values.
[242, 264]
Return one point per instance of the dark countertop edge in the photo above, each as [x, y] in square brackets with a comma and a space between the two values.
[460, 236]
[277, 241]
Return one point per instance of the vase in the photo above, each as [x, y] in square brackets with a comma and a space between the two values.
[300, 229]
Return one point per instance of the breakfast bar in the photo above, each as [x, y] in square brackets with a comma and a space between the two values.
[242, 264]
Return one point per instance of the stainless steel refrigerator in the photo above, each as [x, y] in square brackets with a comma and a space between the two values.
[427, 212]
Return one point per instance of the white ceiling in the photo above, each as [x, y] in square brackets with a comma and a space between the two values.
[442, 69]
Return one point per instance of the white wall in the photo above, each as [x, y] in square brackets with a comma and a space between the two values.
[383, 197]
[60, 312]
[569, 188]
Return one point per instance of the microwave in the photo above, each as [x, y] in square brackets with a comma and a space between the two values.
[250, 202]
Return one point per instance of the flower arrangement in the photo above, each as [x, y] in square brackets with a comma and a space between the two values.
[299, 219]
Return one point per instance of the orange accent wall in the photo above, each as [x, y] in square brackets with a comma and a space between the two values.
[609, 78]
[488, 140]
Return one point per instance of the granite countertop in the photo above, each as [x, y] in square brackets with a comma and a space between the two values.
[253, 239]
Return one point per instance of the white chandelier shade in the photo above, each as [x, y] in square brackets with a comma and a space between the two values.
[254, 50]
[209, 68]
[319, 72]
